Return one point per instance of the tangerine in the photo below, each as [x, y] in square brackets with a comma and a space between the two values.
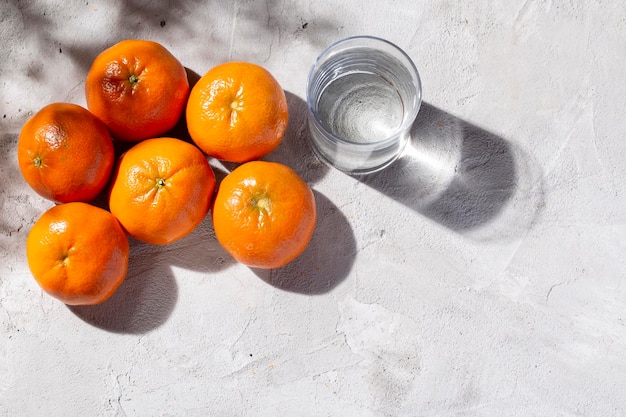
[138, 88]
[237, 112]
[65, 153]
[264, 214]
[161, 190]
[78, 253]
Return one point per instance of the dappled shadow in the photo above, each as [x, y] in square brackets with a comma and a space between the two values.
[460, 175]
[19, 210]
[201, 34]
[327, 260]
[53, 61]
[211, 32]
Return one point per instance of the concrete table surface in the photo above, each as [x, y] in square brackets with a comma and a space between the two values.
[480, 275]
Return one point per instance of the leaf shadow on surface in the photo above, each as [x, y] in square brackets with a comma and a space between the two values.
[10, 175]
[326, 261]
[17, 210]
[460, 175]
[199, 33]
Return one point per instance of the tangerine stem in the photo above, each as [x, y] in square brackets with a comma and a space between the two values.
[236, 105]
[160, 182]
[263, 203]
[37, 162]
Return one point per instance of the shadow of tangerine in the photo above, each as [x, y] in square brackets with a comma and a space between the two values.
[326, 261]
[149, 293]
[142, 303]
[180, 130]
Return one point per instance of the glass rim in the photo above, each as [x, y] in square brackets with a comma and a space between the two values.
[363, 146]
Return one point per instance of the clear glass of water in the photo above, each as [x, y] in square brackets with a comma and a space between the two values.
[363, 95]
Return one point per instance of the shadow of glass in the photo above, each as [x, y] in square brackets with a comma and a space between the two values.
[327, 260]
[295, 149]
[460, 175]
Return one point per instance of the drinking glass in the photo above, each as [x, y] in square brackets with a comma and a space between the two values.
[363, 95]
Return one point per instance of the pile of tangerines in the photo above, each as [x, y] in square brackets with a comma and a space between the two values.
[161, 188]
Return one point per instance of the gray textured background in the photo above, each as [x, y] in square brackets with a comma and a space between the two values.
[480, 275]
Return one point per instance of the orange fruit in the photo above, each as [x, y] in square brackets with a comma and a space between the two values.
[237, 112]
[78, 253]
[138, 88]
[65, 153]
[264, 214]
[161, 190]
